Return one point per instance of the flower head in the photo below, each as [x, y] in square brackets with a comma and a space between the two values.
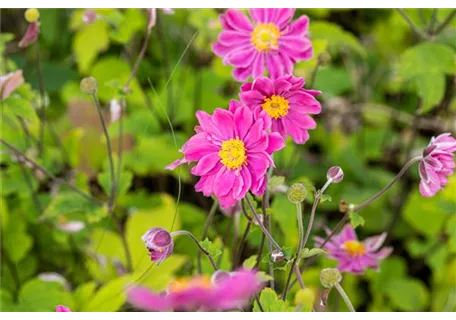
[335, 174]
[30, 35]
[60, 308]
[355, 256]
[159, 243]
[285, 102]
[227, 291]
[9, 83]
[437, 164]
[232, 149]
[269, 40]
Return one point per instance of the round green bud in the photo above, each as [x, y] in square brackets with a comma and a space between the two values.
[329, 277]
[89, 85]
[297, 193]
[305, 297]
[32, 15]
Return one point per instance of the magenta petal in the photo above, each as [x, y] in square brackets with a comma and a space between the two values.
[206, 184]
[242, 58]
[243, 119]
[258, 15]
[242, 74]
[348, 233]
[146, 300]
[299, 27]
[224, 182]
[276, 142]
[274, 65]
[258, 65]
[206, 164]
[283, 17]
[233, 38]
[175, 164]
[238, 20]
[224, 121]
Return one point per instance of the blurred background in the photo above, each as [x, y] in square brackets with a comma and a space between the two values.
[386, 91]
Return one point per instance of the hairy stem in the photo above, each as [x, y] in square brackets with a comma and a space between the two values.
[186, 233]
[345, 297]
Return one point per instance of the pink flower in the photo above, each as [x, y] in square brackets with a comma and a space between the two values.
[60, 308]
[9, 83]
[355, 256]
[437, 164]
[225, 292]
[89, 16]
[159, 243]
[285, 102]
[232, 149]
[271, 41]
[71, 226]
[152, 16]
[31, 35]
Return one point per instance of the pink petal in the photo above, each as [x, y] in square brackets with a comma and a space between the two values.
[243, 119]
[238, 20]
[146, 300]
[276, 142]
[206, 164]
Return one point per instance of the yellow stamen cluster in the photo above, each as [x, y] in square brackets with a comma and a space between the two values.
[233, 154]
[32, 15]
[354, 248]
[265, 37]
[276, 106]
[184, 283]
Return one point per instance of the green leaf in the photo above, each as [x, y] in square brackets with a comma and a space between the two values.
[20, 107]
[424, 66]
[408, 294]
[307, 253]
[337, 37]
[16, 241]
[104, 179]
[109, 298]
[271, 302]
[38, 295]
[250, 262]
[68, 203]
[356, 220]
[325, 197]
[131, 22]
[333, 81]
[213, 250]
[89, 42]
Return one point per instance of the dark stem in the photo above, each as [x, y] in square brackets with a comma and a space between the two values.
[207, 225]
[445, 23]
[139, 58]
[267, 219]
[120, 142]
[126, 249]
[42, 112]
[186, 233]
[430, 29]
[112, 196]
[414, 27]
[241, 245]
[29, 183]
[23, 158]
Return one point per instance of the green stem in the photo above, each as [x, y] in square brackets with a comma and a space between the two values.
[414, 27]
[186, 233]
[208, 223]
[345, 297]
[446, 22]
[42, 99]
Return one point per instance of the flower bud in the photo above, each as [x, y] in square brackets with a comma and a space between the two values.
[335, 174]
[159, 243]
[277, 256]
[297, 193]
[89, 16]
[329, 277]
[305, 297]
[31, 35]
[32, 15]
[89, 85]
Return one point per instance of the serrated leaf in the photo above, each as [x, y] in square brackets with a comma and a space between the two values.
[307, 253]
[356, 220]
[271, 302]
[211, 248]
[250, 262]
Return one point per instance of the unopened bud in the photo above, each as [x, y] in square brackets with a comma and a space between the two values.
[297, 193]
[305, 297]
[329, 277]
[277, 256]
[335, 174]
[89, 85]
[159, 243]
[32, 15]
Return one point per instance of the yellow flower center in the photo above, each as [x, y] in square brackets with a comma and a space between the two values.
[233, 154]
[276, 106]
[265, 37]
[354, 248]
[184, 283]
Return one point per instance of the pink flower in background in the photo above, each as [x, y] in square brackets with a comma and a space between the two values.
[31, 35]
[71, 226]
[437, 164]
[152, 16]
[270, 40]
[62, 309]
[233, 149]
[159, 243]
[284, 101]
[355, 256]
[9, 83]
[227, 292]
[89, 16]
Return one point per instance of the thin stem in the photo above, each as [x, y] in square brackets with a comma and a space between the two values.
[265, 206]
[139, 58]
[414, 27]
[430, 29]
[14, 273]
[260, 250]
[314, 73]
[186, 233]
[208, 223]
[445, 23]
[241, 244]
[120, 142]
[23, 158]
[263, 228]
[389, 185]
[112, 196]
[312, 216]
[42, 99]
[345, 297]
[29, 183]
[126, 249]
[295, 265]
